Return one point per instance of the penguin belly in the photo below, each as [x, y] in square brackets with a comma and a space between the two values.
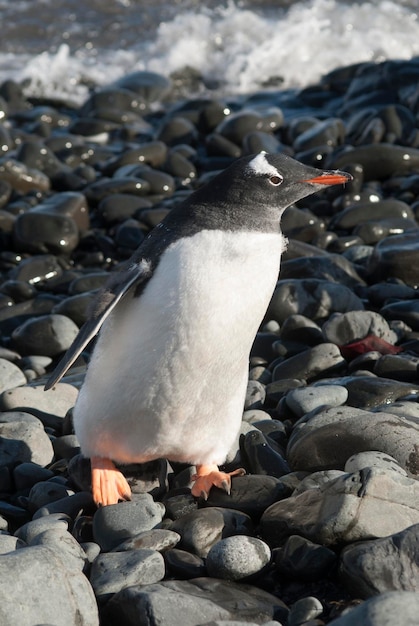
[168, 374]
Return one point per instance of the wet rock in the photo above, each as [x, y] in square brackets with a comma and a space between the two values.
[306, 399]
[344, 328]
[396, 256]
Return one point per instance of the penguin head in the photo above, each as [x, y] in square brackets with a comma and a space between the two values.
[257, 189]
[278, 180]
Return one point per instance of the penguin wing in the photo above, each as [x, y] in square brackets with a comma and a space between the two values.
[119, 284]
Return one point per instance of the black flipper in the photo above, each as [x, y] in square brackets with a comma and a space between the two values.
[118, 286]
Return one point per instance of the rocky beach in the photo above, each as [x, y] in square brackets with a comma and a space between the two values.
[324, 526]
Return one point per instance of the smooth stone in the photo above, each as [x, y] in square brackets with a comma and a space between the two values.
[151, 477]
[237, 557]
[360, 212]
[313, 298]
[262, 456]
[353, 507]
[306, 399]
[179, 504]
[201, 529]
[37, 588]
[156, 539]
[77, 307]
[302, 560]
[11, 317]
[71, 505]
[375, 231]
[381, 293]
[118, 522]
[356, 430]
[152, 153]
[120, 206]
[250, 494]
[29, 531]
[255, 395]
[43, 493]
[322, 360]
[389, 564]
[11, 376]
[23, 179]
[407, 311]
[343, 328]
[177, 130]
[373, 458]
[63, 544]
[113, 571]
[218, 145]
[25, 475]
[180, 167]
[379, 161]
[329, 132]
[184, 565]
[87, 283]
[301, 328]
[333, 268]
[18, 290]
[37, 269]
[50, 407]
[367, 391]
[316, 480]
[395, 256]
[98, 190]
[386, 609]
[42, 232]
[67, 203]
[47, 335]
[148, 86]
[304, 610]
[23, 439]
[237, 125]
[186, 602]
[8, 543]
[403, 367]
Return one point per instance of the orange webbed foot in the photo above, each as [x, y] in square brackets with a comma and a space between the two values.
[208, 476]
[108, 483]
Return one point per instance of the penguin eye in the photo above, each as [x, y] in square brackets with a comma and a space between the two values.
[275, 180]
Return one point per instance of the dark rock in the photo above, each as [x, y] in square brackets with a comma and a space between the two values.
[301, 559]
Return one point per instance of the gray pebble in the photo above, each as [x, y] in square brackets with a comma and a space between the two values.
[23, 440]
[47, 335]
[304, 610]
[155, 539]
[343, 328]
[324, 359]
[388, 564]
[113, 571]
[10, 375]
[28, 532]
[67, 549]
[306, 399]
[381, 503]
[173, 602]
[37, 588]
[386, 609]
[201, 529]
[237, 557]
[373, 458]
[116, 523]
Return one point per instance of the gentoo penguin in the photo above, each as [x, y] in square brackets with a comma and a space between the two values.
[168, 374]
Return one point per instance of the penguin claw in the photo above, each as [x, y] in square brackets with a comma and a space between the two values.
[108, 483]
[208, 476]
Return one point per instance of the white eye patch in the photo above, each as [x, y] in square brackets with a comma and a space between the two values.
[261, 166]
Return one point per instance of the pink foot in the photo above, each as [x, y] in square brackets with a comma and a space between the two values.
[208, 476]
[108, 484]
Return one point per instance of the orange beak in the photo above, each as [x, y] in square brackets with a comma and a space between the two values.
[330, 178]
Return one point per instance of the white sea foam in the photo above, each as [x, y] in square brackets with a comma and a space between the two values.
[241, 49]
